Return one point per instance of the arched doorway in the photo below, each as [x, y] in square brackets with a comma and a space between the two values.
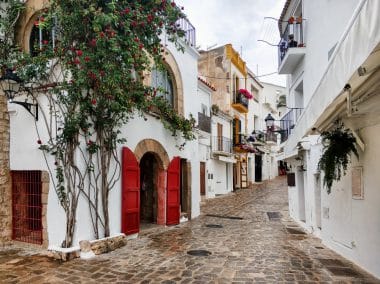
[148, 188]
[151, 185]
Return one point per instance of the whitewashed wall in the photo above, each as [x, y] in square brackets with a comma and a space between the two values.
[349, 226]
[353, 226]
[222, 172]
[25, 155]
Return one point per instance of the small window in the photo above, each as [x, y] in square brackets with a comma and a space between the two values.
[163, 82]
[255, 93]
[41, 37]
[204, 109]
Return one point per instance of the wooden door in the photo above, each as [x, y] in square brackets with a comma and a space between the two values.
[173, 189]
[203, 178]
[130, 208]
[220, 136]
[258, 168]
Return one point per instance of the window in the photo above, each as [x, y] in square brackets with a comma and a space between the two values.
[255, 93]
[236, 131]
[204, 109]
[163, 82]
[40, 37]
[27, 206]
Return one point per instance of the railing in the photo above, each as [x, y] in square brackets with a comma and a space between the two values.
[221, 144]
[189, 29]
[240, 99]
[288, 121]
[204, 122]
[239, 139]
[295, 29]
[271, 137]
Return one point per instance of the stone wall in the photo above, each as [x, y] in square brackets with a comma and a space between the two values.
[5, 185]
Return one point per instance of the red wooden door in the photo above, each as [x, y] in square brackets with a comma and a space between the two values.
[173, 187]
[130, 207]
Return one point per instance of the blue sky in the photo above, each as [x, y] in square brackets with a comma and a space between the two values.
[240, 22]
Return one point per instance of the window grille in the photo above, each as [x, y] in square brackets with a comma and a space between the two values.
[27, 206]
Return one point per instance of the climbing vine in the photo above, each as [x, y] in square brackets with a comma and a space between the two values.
[338, 145]
[89, 71]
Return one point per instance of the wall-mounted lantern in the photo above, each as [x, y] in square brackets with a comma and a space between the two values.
[12, 85]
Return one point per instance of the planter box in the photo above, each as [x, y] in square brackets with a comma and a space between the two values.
[97, 246]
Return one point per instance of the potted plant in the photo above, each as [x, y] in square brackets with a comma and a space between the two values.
[215, 109]
[245, 93]
[338, 145]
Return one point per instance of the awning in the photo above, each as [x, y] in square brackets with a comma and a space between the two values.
[227, 159]
[357, 42]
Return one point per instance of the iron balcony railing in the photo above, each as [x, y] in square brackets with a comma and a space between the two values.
[240, 99]
[204, 122]
[288, 121]
[221, 144]
[270, 137]
[189, 29]
[294, 29]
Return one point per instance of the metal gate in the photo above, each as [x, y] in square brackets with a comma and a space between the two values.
[27, 206]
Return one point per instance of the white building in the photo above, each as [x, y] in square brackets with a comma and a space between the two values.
[215, 147]
[150, 151]
[333, 74]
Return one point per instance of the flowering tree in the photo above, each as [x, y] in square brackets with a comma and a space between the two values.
[90, 71]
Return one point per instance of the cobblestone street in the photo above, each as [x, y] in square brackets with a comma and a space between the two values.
[245, 245]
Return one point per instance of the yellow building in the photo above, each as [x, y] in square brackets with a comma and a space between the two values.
[227, 71]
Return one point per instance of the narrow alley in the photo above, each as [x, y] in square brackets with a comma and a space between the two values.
[244, 237]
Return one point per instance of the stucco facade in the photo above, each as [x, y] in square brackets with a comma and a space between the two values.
[336, 78]
[145, 137]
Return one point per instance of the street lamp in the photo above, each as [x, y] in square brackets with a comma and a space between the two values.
[11, 85]
[269, 121]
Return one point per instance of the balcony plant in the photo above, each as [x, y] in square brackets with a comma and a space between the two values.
[245, 93]
[215, 109]
[338, 145]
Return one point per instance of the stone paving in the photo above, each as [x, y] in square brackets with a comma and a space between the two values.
[246, 246]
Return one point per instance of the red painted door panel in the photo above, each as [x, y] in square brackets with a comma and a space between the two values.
[130, 207]
[173, 187]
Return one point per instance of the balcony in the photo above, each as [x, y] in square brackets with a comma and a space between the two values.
[242, 145]
[189, 29]
[288, 121]
[291, 52]
[221, 146]
[204, 122]
[240, 103]
[270, 138]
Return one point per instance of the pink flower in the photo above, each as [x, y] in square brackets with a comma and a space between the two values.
[93, 42]
[77, 61]
[245, 93]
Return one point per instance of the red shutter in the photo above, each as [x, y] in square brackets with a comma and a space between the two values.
[173, 184]
[130, 207]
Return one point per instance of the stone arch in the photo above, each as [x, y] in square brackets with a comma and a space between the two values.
[26, 22]
[173, 69]
[155, 147]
